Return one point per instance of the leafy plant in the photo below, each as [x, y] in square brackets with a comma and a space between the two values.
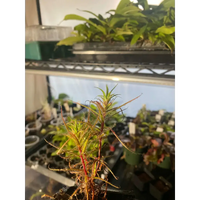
[83, 134]
[128, 23]
[137, 141]
[62, 98]
[46, 111]
[160, 23]
[159, 150]
[151, 128]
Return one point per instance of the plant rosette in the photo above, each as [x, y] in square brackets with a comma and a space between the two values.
[159, 153]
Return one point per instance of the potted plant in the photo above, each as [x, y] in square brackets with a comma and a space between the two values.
[128, 34]
[31, 118]
[46, 116]
[35, 125]
[138, 144]
[147, 128]
[59, 102]
[84, 134]
[160, 152]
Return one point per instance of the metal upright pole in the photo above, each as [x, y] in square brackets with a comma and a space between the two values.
[40, 23]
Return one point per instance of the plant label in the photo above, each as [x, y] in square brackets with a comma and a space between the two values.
[54, 113]
[161, 112]
[132, 128]
[159, 129]
[103, 176]
[158, 117]
[37, 123]
[71, 112]
[66, 107]
[78, 106]
[171, 122]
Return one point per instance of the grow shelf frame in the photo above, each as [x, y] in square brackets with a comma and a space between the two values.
[125, 72]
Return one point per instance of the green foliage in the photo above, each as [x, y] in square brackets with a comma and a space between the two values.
[62, 98]
[128, 23]
[85, 137]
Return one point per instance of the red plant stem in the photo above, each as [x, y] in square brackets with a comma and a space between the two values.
[83, 163]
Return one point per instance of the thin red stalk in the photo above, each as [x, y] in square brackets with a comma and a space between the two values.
[83, 163]
[84, 169]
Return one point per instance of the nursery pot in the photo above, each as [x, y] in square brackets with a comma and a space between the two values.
[141, 180]
[159, 190]
[34, 128]
[134, 158]
[31, 140]
[166, 164]
[56, 122]
[46, 122]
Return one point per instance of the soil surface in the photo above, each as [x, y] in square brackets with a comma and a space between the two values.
[161, 186]
[144, 177]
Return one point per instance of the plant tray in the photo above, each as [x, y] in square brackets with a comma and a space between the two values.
[39, 158]
[122, 52]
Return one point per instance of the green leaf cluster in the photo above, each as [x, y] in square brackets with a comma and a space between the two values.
[127, 23]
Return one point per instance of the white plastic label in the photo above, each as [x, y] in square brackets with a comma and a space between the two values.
[132, 128]
[54, 113]
[66, 107]
[71, 112]
[37, 123]
[171, 122]
[78, 106]
[158, 117]
[102, 176]
[161, 112]
[159, 129]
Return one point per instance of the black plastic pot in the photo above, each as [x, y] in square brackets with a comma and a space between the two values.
[129, 119]
[122, 52]
[120, 126]
[160, 189]
[141, 180]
